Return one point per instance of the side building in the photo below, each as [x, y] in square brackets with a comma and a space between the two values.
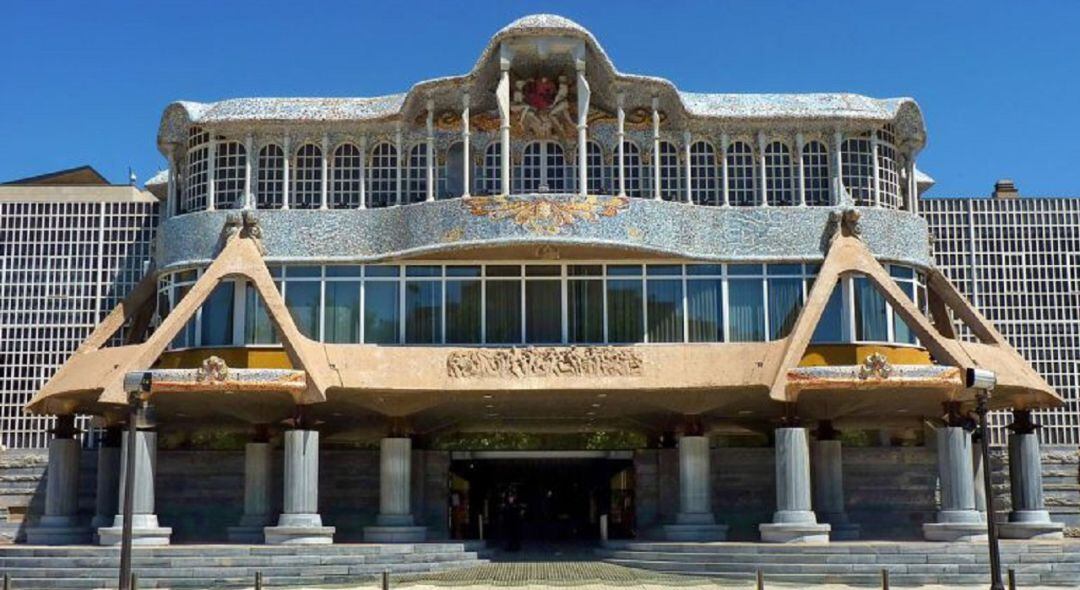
[71, 247]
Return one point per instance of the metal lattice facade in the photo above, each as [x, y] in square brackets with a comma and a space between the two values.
[63, 267]
[1018, 261]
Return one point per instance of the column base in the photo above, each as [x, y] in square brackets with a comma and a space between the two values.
[58, 530]
[962, 532]
[395, 528]
[250, 529]
[1031, 524]
[842, 528]
[695, 532]
[794, 532]
[299, 529]
[144, 531]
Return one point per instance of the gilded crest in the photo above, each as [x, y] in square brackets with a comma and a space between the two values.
[213, 370]
[542, 215]
[876, 365]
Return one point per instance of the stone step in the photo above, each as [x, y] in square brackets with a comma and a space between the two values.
[1007, 548]
[241, 560]
[227, 550]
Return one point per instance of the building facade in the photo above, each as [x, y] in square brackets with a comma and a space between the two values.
[548, 249]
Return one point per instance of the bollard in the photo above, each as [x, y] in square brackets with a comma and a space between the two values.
[603, 528]
[134, 585]
[258, 580]
[480, 523]
[1012, 579]
[884, 579]
[7, 582]
[760, 580]
[386, 580]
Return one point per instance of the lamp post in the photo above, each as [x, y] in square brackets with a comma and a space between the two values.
[983, 381]
[135, 405]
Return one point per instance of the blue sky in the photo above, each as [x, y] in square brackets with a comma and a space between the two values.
[999, 83]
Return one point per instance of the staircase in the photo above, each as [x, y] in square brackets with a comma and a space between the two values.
[1055, 563]
[228, 566]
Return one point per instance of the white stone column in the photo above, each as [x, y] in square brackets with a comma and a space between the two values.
[724, 141]
[620, 138]
[794, 520]
[695, 520]
[324, 186]
[502, 95]
[430, 196]
[108, 478]
[913, 186]
[977, 482]
[363, 172]
[1029, 518]
[656, 146]
[249, 146]
[687, 188]
[763, 191]
[300, 523]
[258, 465]
[800, 144]
[172, 199]
[828, 480]
[583, 96]
[211, 175]
[837, 171]
[957, 517]
[395, 523]
[877, 172]
[144, 521]
[466, 139]
[59, 525]
[286, 176]
[398, 145]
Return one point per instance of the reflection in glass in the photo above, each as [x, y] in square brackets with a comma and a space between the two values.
[302, 299]
[624, 301]
[462, 312]
[381, 312]
[785, 301]
[585, 310]
[705, 310]
[217, 316]
[423, 312]
[341, 320]
[503, 313]
[831, 327]
[665, 300]
[257, 326]
[543, 312]
[871, 323]
[747, 305]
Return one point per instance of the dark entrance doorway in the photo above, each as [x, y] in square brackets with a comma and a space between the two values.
[545, 500]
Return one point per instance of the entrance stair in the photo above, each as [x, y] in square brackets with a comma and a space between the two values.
[1047, 563]
[229, 566]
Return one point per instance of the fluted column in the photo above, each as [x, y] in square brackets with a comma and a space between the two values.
[620, 138]
[300, 522]
[430, 196]
[466, 138]
[398, 149]
[395, 523]
[794, 520]
[363, 172]
[324, 171]
[258, 465]
[249, 146]
[1029, 518]
[59, 525]
[286, 170]
[695, 520]
[724, 170]
[583, 96]
[144, 520]
[656, 146]
[211, 175]
[828, 479]
[502, 95]
[957, 517]
[108, 477]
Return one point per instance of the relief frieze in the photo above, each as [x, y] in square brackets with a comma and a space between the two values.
[575, 361]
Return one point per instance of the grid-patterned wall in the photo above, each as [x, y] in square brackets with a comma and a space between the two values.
[1018, 261]
[63, 267]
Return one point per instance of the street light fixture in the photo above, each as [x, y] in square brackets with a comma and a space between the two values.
[983, 382]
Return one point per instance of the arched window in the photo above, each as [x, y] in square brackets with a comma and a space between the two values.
[742, 188]
[229, 164]
[543, 168]
[670, 173]
[416, 175]
[347, 179]
[704, 188]
[270, 177]
[815, 161]
[888, 176]
[632, 169]
[452, 181]
[382, 176]
[307, 177]
[491, 182]
[599, 182]
[779, 188]
[196, 171]
[856, 158]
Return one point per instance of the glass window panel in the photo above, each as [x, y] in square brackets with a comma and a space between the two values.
[624, 270]
[870, 320]
[503, 270]
[302, 299]
[503, 312]
[275, 270]
[217, 316]
[704, 269]
[663, 270]
[303, 271]
[382, 271]
[340, 270]
[665, 300]
[744, 269]
[785, 301]
[381, 312]
[423, 312]
[543, 311]
[783, 269]
[901, 272]
[901, 331]
[341, 320]
[462, 271]
[625, 312]
[543, 270]
[185, 337]
[463, 311]
[585, 311]
[746, 302]
[257, 326]
[423, 271]
[584, 270]
[831, 326]
[705, 310]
